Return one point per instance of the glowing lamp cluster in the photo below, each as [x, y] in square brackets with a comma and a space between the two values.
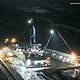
[13, 40]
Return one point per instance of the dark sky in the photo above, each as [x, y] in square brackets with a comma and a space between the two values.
[61, 17]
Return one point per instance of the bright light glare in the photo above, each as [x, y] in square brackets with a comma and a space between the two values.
[13, 40]
[30, 21]
[73, 55]
[4, 49]
[23, 68]
[4, 55]
[10, 54]
[6, 40]
[51, 31]
[47, 61]
[1, 51]
[28, 62]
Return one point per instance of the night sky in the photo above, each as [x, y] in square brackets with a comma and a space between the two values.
[62, 17]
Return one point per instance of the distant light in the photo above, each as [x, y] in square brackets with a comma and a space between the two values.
[47, 61]
[13, 40]
[51, 31]
[30, 21]
[6, 40]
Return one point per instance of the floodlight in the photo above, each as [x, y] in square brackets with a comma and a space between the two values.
[51, 31]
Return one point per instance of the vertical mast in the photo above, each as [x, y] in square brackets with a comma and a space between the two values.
[32, 35]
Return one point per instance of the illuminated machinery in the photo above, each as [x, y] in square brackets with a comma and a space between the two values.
[36, 57]
[35, 50]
